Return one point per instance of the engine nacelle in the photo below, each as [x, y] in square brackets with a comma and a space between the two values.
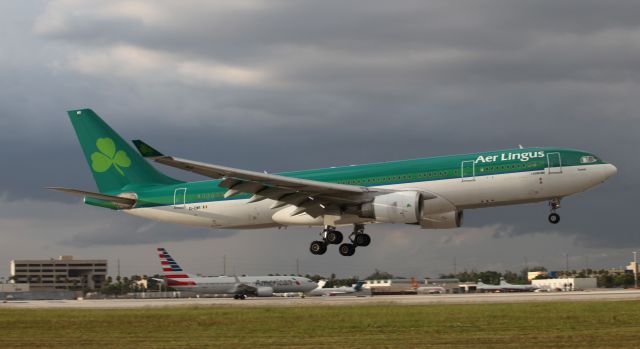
[445, 220]
[398, 207]
[439, 213]
[264, 291]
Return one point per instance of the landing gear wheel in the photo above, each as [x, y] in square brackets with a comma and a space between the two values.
[318, 247]
[347, 249]
[362, 240]
[554, 218]
[334, 237]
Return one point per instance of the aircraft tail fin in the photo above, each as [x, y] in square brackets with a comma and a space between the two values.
[113, 162]
[172, 271]
[321, 283]
[358, 286]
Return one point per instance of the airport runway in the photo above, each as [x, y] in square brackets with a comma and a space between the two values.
[479, 298]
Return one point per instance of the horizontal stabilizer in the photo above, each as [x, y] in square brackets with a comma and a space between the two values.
[125, 203]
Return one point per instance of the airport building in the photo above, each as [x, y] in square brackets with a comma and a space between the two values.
[449, 285]
[391, 286]
[566, 284]
[64, 273]
[534, 274]
[14, 288]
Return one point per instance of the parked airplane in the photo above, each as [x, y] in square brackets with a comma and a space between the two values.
[504, 287]
[329, 291]
[239, 287]
[482, 287]
[431, 193]
[517, 288]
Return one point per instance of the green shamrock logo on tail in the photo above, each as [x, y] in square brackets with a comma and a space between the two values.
[101, 161]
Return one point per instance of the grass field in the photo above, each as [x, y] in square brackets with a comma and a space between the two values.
[523, 325]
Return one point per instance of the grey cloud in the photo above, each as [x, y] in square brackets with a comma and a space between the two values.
[348, 83]
[150, 233]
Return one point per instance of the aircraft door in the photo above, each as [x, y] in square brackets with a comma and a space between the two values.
[179, 198]
[554, 163]
[468, 170]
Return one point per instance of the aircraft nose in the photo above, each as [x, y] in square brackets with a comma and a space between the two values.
[610, 171]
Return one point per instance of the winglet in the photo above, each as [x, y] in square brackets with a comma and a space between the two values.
[146, 150]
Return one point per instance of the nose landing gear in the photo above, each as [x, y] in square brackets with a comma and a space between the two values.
[554, 218]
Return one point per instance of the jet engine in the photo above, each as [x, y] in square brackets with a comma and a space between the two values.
[398, 207]
[264, 291]
[413, 207]
[438, 213]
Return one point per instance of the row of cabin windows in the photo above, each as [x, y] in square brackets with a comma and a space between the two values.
[400, 178]
[440, 174]
[208, 196]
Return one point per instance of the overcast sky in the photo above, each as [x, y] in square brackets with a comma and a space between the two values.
[286, 85]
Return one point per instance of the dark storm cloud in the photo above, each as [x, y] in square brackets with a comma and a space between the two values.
[289, 85]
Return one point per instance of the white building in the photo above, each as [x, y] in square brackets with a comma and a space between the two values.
[64, 273]
[391, 285]
[534, 274]
[567, 284]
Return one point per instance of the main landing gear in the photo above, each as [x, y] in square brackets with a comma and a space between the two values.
[330, 236]
[554, 218]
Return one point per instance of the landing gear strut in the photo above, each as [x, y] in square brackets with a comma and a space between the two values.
[554, 218]
[357, 238]
[330, 236]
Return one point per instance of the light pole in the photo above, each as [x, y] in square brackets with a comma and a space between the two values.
[635, 269]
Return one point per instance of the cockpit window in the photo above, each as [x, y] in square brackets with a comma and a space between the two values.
[588, 159]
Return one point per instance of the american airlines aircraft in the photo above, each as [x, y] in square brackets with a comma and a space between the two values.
[431, 193]
[239, 287]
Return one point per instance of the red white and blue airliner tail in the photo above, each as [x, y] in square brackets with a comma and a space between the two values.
[172, 271]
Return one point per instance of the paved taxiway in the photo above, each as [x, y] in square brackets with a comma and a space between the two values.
[599, 295]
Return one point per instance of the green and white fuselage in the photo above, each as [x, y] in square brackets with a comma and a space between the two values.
[468, 181]
[429, 192]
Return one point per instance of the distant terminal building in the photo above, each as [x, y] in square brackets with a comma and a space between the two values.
[566, 284]
[633, 267]
[534, 274]
[450, 285]
[64, 273]
[391, 285]
[14, 288]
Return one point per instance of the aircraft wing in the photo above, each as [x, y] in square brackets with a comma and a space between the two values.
[312, 197]
[241, 287]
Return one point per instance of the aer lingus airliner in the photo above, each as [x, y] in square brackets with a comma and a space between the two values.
[431, 193]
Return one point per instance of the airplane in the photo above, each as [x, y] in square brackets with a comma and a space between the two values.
[517, 288]
[239, 287]
[482, 287]
[504, 287]
[331, 291]
[431, 193]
